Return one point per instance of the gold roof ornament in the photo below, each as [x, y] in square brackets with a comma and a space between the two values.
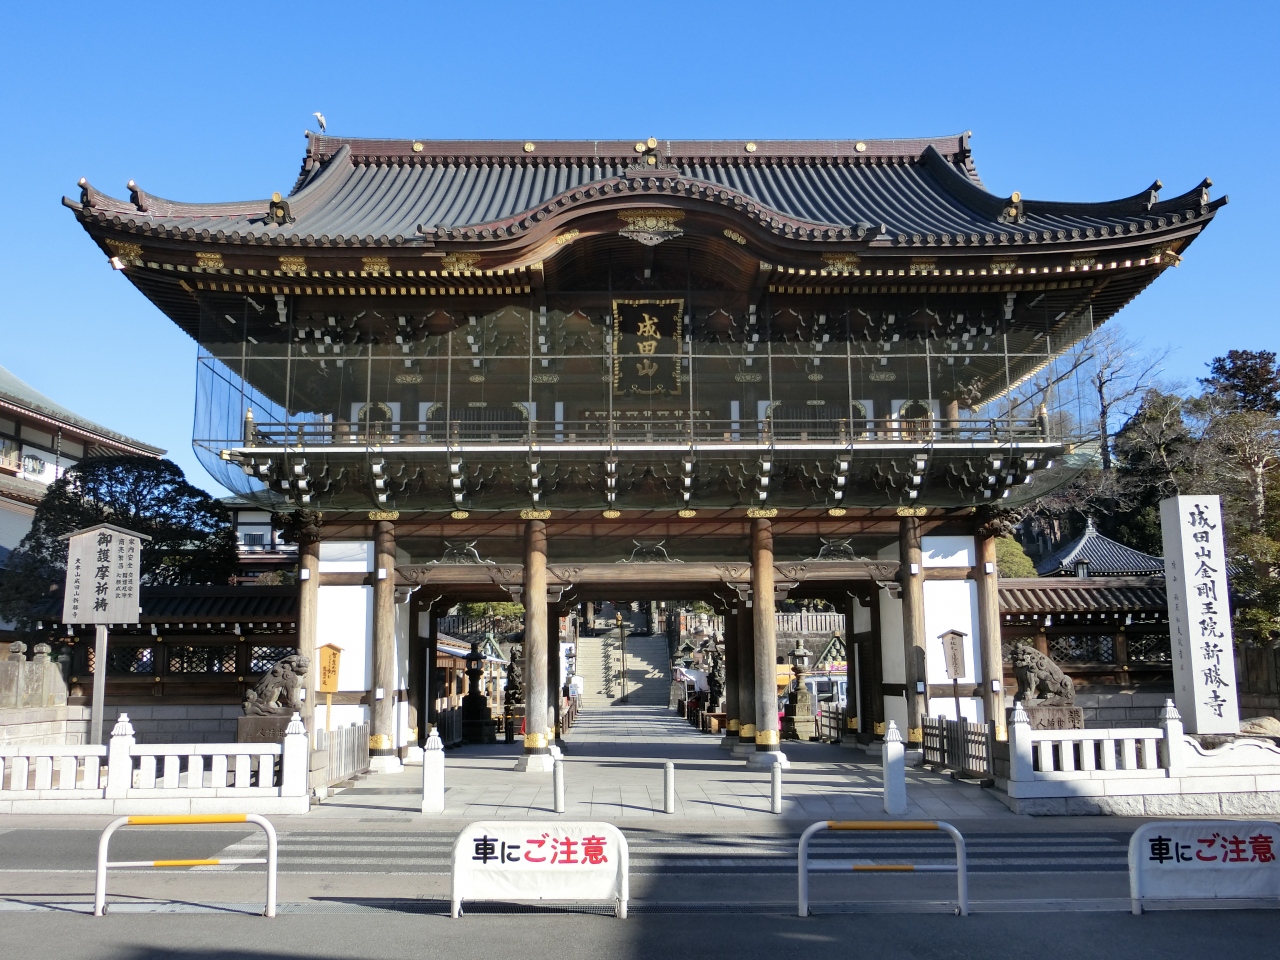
[651, 227]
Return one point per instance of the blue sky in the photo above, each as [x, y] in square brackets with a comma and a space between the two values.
[1066, 101]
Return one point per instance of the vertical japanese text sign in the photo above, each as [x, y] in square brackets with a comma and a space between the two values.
[330, 658]
[102, 576]
[1195, 569]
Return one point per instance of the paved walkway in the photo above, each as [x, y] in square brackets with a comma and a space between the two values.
[613, 771]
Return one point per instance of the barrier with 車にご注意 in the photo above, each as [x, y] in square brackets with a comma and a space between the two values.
[1204, 860]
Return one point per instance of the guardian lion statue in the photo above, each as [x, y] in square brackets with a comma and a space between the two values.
[276, 694]
[1039, 678]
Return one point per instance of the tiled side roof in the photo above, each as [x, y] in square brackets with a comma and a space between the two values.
[207, 604]
[20, 394]
[393, 192]
[1105, 557]
[1082, 595]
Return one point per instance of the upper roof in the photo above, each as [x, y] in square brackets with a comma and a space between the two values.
[922, 192]
[1105, 557]
[19, 395]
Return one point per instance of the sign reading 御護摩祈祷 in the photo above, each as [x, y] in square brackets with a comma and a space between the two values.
[540, 860]
[103, 570]
[1195, 568]
[647, 337]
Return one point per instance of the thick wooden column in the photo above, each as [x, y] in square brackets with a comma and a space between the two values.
[382, 696]
[537, 756]
[554, 732]
[911, 575]
[744, 626]
[732, 711]
[764, 627]
[855, 670]
[308, 604]
[992, 658]
[431, 649]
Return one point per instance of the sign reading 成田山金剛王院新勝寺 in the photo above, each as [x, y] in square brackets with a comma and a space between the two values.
[1195, 567]
[103, 572]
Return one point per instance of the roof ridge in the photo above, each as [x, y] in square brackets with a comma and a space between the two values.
[40, 404]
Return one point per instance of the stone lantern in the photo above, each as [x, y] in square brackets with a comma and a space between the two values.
[478, 725]
[798, 722]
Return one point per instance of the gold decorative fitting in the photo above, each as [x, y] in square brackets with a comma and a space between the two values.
[736, 237]
[915, 735]
[815, 377]
[459, 262]
[762, 513]
[652, 142]
[476, 378]
[209, 261]
[293, 264]
[734, 725]
[459, 515]
[379, 741]
[546, 378]
[751, 148]
[923, 265]
[375, 265]
[611, 514]
[1001, 264]
[747, 731]
[886, 376]
[1015, 197]
[880, 729]
[529, 148]
[687, 513]
[860, 147]
[127, 252]
[384, 514]
[767, 738]
[843, 262]
[535, 741]
[912, 511]
[651, 227]
[639, 146]
[748, 377]
[417, 146]
[837, 512]
[1079, 262]
[408, 378]
[568, 236]
[535, 514]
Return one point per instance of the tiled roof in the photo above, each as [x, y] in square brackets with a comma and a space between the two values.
[1105, 557]
[207, 604]
[21, 489]
[391, 192]
[20, 394]
[1082, 595]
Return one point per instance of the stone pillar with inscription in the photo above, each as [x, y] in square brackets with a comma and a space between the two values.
[382, 697]
[764, 627]
[537, 754]
[1195, 573]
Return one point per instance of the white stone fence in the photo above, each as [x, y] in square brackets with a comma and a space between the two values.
[1137, 771]
[126, 777]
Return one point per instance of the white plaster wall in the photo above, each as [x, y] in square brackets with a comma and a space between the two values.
[947, 551]
[861, 618]
[893, 659]
[952, 605]
[346, 556]
[345, 619]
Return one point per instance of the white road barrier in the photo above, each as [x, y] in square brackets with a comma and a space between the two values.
[804, 866]
[100, 888]
[1204, 860]
[521, 860]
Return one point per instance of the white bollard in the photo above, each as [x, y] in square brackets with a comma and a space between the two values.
[894, 772]
[775, 788]
[668, 787]
[557, 783]
[433, 774]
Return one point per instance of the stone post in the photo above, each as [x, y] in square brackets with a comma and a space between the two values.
[992, 659]
[911, 575]
[382, 696]
[893, 767]
[537, 756]
[1172, 747]
[295, 756]
[120, 759]
[732, 711]
[433, 774]
[1021, 765]
[764, 625]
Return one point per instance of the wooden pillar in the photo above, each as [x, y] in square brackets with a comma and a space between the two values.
[857, 664]
[431, 651]
[308, 603]
[537, 756]
[732, 711]
[951, 413]
[989, 634]
[383, 693]
[764, 628]
[553, 674]
[911, 575]
[744, 626]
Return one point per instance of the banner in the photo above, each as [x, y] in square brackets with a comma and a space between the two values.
[647, 339]
[1202, 860]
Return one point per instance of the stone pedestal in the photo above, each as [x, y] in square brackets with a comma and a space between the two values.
[479, 730]
[261, 729]
[1052, 716]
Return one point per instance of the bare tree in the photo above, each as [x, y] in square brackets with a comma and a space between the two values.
[1119, 376]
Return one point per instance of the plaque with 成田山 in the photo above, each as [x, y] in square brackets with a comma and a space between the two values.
[647, 335]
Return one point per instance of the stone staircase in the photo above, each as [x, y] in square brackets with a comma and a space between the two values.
[600, 666]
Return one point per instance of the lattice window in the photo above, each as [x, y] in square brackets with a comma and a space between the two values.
[130, 660]
[1082, 648]
[204, 659]
[261, 658]
[1150, 647]
[1008, 644]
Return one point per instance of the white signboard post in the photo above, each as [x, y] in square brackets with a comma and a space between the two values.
[103, 564]
[1203, 860]
[953, 655]
[1195, 569]
[540, 860]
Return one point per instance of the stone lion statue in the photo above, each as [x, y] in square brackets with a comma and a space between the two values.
[1039, 678]
[276, 694]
